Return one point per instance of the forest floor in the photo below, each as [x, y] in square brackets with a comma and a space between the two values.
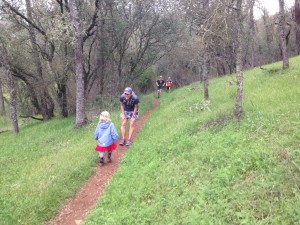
[77, 208]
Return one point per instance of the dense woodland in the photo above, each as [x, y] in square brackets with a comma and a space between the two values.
[56, 56]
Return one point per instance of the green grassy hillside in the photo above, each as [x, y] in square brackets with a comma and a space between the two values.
[194, 164]
[45, 164]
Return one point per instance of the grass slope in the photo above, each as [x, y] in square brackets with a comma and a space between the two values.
[193, 166]
[192, 163]
[45, 164]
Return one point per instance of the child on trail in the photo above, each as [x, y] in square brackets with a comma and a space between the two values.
[106, 135]
[169, 84]
[160, 83]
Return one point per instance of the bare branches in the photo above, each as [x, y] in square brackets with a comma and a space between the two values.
[24, 17]
[89, 31]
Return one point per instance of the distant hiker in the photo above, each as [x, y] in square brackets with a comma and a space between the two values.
[129, 111]
[160, 83]
[106, 135]
[169, 83]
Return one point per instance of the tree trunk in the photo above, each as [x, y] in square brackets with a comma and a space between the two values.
[61, 89]
[297, 27]
[282, 35]
[205, 65]
[252, 33]
[80, 93]
[62, 97]
[101, 60]
[238, 112]
[12, 90]
[2, 106]
[268, 40]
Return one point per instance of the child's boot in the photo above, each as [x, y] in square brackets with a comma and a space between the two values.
[109, 157]
[101, 162]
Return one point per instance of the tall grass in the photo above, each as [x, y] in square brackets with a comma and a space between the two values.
[45, 164]
[197, 165]
[192, 163]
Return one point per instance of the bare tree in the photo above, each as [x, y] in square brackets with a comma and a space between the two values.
[282, 35]
[12, 90]
[297, 21]
[140, 35]
[41, 98]
[238, 112]
[81, 118]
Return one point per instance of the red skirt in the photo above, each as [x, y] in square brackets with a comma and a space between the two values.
[112, 147]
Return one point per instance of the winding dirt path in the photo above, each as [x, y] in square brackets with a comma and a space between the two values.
[80, 205]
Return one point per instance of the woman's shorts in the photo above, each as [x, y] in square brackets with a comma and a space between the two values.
[129, 114]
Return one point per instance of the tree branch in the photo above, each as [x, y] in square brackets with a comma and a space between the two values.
[41, 119]
[88, 31]
[24, 17]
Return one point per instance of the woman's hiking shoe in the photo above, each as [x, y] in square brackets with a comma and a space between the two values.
[122, 142]
[109, 160]
[128, 142]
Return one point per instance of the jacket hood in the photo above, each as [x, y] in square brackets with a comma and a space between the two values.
[104, 125]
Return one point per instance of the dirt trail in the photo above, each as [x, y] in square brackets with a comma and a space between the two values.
[79, 206]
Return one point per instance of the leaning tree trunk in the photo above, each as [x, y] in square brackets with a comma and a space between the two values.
[80, 92]
[282, 36]
[2, 106]
[238, 112]
[297, 27]
[12, 90]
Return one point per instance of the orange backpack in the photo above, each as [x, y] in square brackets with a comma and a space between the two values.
[169, 83]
